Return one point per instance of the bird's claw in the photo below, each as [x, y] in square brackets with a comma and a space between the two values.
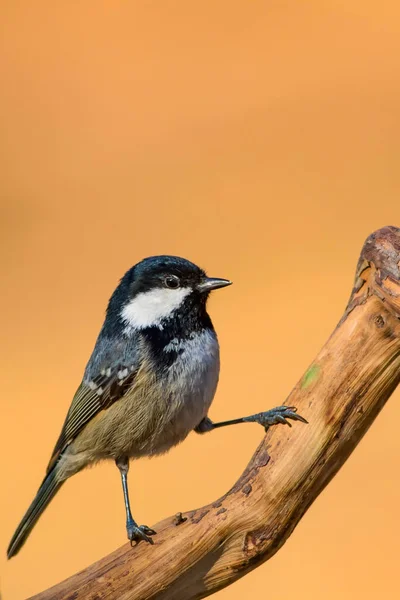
[138, 533]
[277, 415]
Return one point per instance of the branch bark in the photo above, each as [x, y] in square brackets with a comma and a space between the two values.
[340, 394]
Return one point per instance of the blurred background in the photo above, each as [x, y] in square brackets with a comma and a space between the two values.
[259, 139]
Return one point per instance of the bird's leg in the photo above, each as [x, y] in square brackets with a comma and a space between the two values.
[135, 532]
[277, 415]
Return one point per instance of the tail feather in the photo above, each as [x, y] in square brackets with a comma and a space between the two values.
[46, 492]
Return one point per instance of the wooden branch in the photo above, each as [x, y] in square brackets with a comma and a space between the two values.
[340, 394]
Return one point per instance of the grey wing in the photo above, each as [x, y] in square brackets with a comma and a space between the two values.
[109, 373]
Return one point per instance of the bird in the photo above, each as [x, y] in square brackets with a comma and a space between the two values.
[149, 382]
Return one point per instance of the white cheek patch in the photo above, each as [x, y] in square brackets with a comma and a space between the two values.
[148, 309]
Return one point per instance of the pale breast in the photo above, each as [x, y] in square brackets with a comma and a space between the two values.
[182, 396]
[193, 378]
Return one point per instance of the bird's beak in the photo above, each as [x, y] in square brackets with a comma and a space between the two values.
[212, 283]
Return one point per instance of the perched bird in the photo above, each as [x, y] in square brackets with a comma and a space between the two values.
[149, 382]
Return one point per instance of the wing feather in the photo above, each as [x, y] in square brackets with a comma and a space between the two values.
[102, 386]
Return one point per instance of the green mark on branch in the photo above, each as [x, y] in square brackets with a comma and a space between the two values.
[311, 375]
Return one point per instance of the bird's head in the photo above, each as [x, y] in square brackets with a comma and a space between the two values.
[160, 287]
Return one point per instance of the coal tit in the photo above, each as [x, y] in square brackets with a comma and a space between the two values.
[149, 382]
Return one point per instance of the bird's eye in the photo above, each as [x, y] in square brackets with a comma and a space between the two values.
[171, 281]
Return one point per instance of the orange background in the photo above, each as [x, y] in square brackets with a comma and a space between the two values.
[259, 139]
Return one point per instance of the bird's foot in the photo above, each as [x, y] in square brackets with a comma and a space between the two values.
[277, 415]
[137, 533]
